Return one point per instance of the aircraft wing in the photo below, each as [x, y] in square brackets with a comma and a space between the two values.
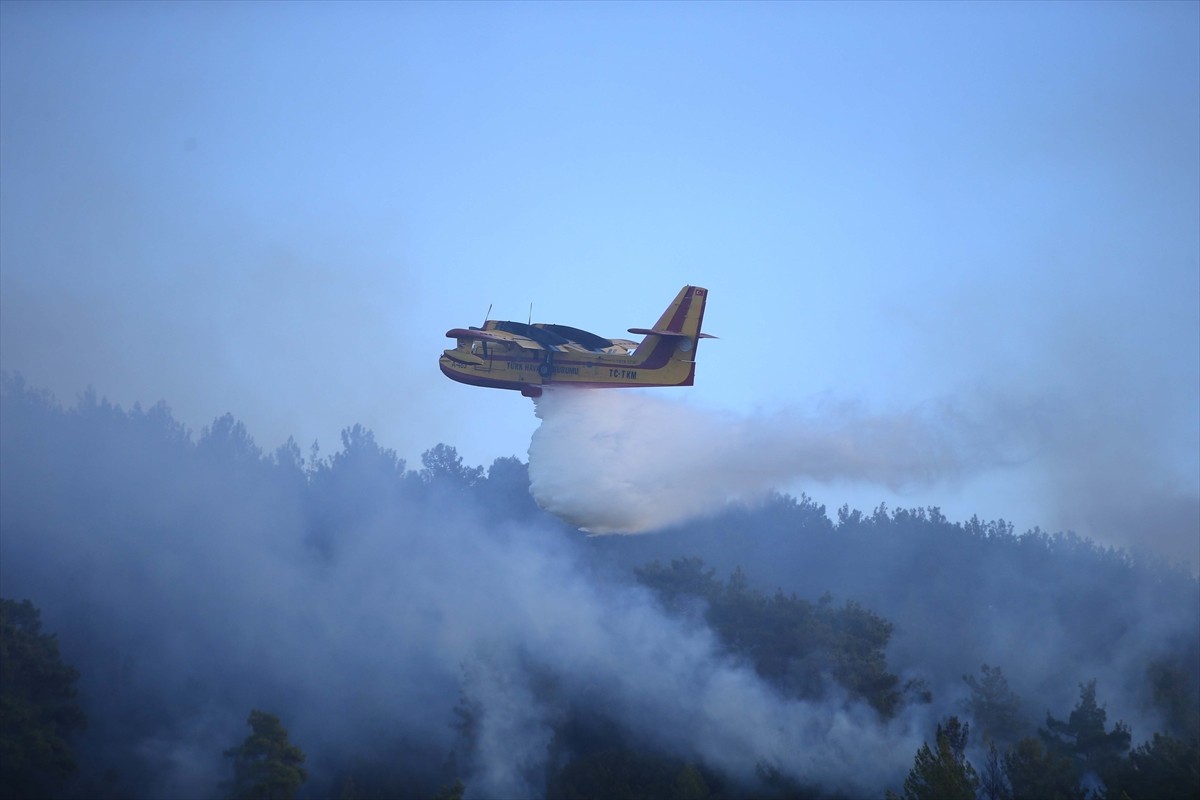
[500, 337]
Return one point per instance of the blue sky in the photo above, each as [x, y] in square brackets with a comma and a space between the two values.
[277, 210]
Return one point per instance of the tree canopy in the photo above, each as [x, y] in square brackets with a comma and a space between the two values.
[1082, 737]
[39, 707]
[942, 772]
[192, 577]
[795, 644]
[995, 709]
[266, 766]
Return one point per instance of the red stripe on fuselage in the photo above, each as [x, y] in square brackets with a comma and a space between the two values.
[676, 323]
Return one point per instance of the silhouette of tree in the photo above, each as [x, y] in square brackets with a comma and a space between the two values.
[360, 483]
[995, 709]
[452, 792]
[1175, 692]
[505, 493]
[616, 772]
[1082, 738]
[943, 772]
[38, 710]
[684, 579]
[1035, 774]
[958, 593]
[1165, 768]
[443, 463]
[227, 441]
[793, 643]
[992, 783]
[266, 766]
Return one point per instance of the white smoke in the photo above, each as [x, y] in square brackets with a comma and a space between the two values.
[624, 462]
[668, 681]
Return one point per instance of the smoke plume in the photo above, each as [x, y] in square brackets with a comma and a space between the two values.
[191, 582]
[623, 462]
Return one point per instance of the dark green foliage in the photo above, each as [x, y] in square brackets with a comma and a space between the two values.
[942, 772]
[1175, 693]
[38, 708]
[917, 691]
[266, 766]
[682, 582]
[505, 492]
[1082, 738]
[453, 792]
[443, 464]
[1164, 768]
[360, 483]
[1035, 774]
[227, 442]
[995, 709]
[958, 594]
[795, 644]
[993, 785]
[630, 775]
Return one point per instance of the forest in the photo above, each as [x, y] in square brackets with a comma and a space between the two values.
[189, 616]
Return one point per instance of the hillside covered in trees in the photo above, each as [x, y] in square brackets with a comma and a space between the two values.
[207, 619]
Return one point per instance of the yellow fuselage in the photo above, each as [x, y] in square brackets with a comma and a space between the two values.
[513, 367]
[527, 358]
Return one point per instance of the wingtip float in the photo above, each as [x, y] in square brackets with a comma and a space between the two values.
[528, 357]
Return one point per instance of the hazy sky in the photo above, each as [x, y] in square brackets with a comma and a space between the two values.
[278, 210]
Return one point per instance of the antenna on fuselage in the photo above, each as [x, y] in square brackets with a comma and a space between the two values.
[488, 314]
[530, 320]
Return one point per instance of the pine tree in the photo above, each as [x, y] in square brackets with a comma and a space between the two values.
[266, 766]
[1082, 737]
[995, 709]
[942, 772]
[1165, 768]
[1035, 774]
[38, 707]
[992, 783]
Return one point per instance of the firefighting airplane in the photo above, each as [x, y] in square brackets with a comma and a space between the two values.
[514, 355]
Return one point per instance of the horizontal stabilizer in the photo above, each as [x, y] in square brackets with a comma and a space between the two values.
[660, 332]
